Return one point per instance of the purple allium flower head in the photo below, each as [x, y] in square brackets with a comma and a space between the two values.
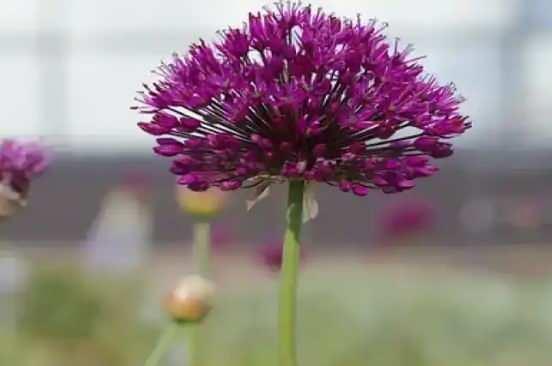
[296, 93]
[20, 162]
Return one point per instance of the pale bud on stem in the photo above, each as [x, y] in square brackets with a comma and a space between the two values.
[191, 300]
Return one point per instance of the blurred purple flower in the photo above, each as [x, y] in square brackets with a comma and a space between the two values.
[270, 255]
[300, 94]
[222, 237]
[138, 183]
[20, 162]
[407, 218]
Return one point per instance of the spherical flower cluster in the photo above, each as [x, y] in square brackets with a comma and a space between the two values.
[20, 162]
[300, 94]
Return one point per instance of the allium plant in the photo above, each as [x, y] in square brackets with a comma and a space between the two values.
[20, 163]
[298, 95]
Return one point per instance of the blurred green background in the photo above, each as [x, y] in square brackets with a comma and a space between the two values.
[389, 308]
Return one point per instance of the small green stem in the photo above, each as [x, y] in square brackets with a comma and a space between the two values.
[194, 346]
[202, 258]
[202, 247]
[288, 276]
[163, 344]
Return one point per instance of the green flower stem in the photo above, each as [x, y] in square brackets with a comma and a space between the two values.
[288, 279]
[163, 344]
[195, 346]
[202, 257]
[202, 247]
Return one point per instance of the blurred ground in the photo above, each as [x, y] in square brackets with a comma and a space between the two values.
[405, 307]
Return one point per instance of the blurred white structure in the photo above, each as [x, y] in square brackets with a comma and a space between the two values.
[121, 235]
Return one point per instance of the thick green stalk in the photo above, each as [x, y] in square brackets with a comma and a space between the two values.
[202, 258]
[163, 345]
[288, 276]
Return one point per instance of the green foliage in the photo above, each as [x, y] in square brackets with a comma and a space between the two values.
[389, 317]
[67, 318]
[61, 305]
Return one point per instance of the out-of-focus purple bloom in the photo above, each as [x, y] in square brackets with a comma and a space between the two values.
[137, 183]
[270, 255]
[20, 162]
[407, 218]
[222, 238]
[300, 94]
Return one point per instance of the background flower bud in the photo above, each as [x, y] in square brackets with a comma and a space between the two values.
[202, 205]
[191, 299]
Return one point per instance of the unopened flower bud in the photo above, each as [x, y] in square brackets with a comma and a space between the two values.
[202, 205]
[191, 300]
